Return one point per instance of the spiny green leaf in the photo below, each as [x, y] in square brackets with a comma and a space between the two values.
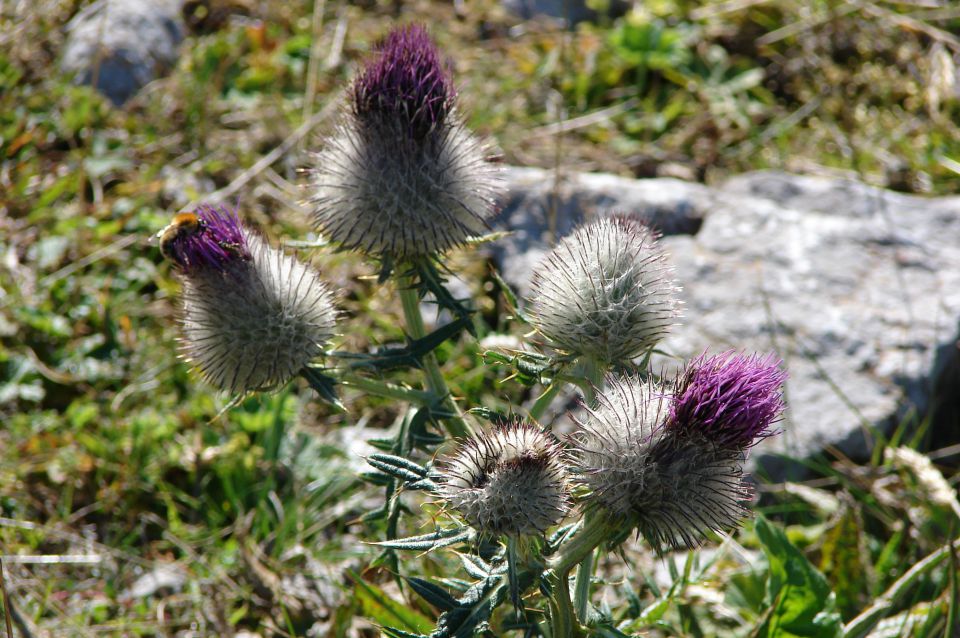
[376, 605]
[426, 440]
[434, 540]
[410, 355]
[475, 566]
[397, 466]
[324, 385]
[426, 485]
[429, 279]
[376, 478]
[800, 597]
[386, 445]
[433, 594]
[510, 296]
[473, 610]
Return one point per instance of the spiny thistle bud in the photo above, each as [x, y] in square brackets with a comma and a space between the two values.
[605, 292]
[673, 488]
[731, 399]
[252, 316]
[510, 481]
[401, 177]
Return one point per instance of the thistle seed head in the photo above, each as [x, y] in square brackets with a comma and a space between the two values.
[253, 317]
[510, 481]
[673, 489]
[605, 292]
[731, 399]
[401, 177]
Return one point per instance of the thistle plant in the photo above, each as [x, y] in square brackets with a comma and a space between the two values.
[402, 182]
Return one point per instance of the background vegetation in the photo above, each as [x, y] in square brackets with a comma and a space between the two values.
[116, 462]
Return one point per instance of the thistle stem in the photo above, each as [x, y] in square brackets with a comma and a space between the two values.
[594, 531]
[513, 559]
[563, 619]
[543, 402]
[581, 588]
[456, 425]
[593, 371]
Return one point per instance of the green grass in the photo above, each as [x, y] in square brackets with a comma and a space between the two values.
[114, 454]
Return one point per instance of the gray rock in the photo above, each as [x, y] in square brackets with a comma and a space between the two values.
[538, 207]
[571, 11]
[121, 45]
[856, 288]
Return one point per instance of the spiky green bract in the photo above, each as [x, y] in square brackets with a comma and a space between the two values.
[252, 323]
[605, 292]
[673, 487]
[509, 481]
[401, 177]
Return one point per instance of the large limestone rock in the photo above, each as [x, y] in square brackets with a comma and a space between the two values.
[857, 289]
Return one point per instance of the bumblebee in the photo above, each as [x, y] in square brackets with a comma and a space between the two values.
[183, 225]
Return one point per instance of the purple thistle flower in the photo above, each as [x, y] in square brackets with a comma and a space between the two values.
[207, 238]
[408, 80]
[731, 399]
[674, 487]
[252, 316]
[402, 178]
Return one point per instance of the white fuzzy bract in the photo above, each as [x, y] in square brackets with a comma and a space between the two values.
[673, 488]
[510, 481]
[378, 190]
[257, 322]
[605, 292]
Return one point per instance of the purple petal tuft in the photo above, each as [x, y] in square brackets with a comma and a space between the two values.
[732, 399]
[218, 241]
[405, 80]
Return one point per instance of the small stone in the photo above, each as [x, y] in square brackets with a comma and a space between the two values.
[162, 579]
[121, 45]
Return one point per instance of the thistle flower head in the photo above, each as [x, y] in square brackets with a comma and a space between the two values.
[731, 399]
[510, 481]
[401, 177]
[672, 489]
[252, 316]
[406, 81]
[605, 292]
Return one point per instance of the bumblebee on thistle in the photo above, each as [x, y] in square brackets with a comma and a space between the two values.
[401, 177]
[252, 317]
